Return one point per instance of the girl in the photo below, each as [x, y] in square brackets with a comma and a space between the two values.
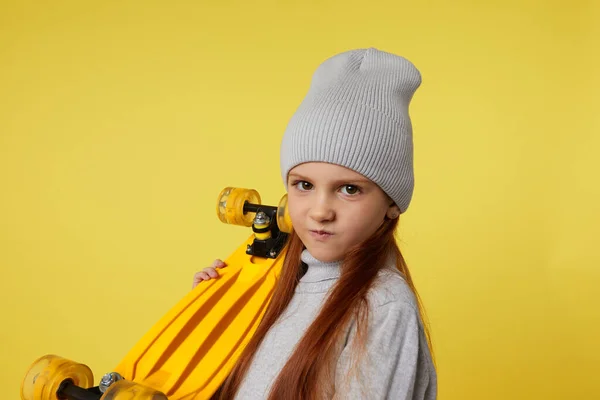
[345, 320]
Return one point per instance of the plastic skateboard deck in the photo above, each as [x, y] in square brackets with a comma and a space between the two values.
[191, 350]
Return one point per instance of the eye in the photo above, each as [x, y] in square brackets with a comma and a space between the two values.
[350, 190]
[303, 185]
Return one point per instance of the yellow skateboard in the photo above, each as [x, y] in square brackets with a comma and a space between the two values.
[191, 350]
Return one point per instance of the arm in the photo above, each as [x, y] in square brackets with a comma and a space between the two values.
[395, 362]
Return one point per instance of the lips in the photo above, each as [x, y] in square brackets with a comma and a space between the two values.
[320, 234]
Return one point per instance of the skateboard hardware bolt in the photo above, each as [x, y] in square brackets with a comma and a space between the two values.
[261, 218]
[108, 379]
[273, 253]
[249, 249]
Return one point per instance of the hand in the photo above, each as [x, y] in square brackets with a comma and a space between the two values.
[208, 273]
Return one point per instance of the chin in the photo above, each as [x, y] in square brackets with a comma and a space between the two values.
[324, 255]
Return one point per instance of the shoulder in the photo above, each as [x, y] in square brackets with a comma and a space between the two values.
[392, 307]
[391, 289]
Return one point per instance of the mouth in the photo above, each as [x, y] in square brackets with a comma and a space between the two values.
[320, 234]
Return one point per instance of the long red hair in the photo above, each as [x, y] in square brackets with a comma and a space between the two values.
[307, 375]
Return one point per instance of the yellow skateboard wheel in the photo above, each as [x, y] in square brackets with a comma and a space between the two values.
[127, 390]
[45, 375]
[230, 205]
[284, 222]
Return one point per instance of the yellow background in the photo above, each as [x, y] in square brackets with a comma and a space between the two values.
[120, 122]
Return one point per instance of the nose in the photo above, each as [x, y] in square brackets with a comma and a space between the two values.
[322, 208]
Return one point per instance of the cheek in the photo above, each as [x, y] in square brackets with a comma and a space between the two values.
[295, 211]
[367, 222]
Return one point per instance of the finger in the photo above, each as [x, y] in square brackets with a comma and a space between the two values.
[218, 264]
[196, 283]
[203, 276]
[197, 279]
[198, 276]
[212, 272]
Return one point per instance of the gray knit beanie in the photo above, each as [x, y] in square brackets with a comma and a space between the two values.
[356, 115]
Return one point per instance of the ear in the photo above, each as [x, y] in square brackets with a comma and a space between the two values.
[393, 211]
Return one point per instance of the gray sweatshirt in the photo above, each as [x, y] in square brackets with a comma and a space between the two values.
[398, 364]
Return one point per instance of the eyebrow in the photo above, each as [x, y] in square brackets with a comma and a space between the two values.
[362, 181]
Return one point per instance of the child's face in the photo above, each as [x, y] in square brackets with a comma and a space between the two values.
[334, 208]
